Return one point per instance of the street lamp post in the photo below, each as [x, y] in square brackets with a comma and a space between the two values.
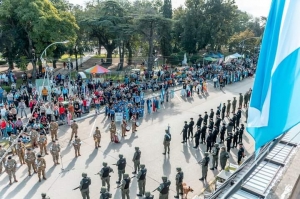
[45, 51]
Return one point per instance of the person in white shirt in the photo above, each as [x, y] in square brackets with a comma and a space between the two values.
[3, 112]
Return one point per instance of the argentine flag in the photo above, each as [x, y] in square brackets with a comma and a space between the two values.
[275, 102]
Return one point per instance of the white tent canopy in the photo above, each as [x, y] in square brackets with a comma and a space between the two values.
[82, 74]
[233, 56]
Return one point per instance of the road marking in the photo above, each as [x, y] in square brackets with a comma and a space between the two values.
[93, 127]
[178, 97]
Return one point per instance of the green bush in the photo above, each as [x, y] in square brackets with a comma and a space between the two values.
[3, 62]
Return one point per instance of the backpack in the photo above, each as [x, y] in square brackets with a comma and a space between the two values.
[85, 183]
[168, 137]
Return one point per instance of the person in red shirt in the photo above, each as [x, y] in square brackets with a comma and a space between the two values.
[3, 128]
[60, 99]
[84, 103]
[61, 111]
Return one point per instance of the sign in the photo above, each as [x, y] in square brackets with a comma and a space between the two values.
[118, 117]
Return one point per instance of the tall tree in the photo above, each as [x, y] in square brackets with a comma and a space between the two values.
[39, 24]
[166, 38]
[150, 26]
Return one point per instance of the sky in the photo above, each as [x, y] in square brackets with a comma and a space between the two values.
[256, 8]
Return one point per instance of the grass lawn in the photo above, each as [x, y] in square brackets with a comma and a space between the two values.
[65, 57]
[99, 56]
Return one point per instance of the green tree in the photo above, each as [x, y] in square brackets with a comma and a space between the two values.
[150, 26]
[166, 29]
[40, 24]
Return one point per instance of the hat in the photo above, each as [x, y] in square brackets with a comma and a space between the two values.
[191, 118]
[178, 169]
[242, 124]
[185, 121]
[84, 175]
[39, 155]
[200, 115]
[142, 166]
[228, 100]
[240, 93]
[9, 157]
[206, 154]
[164, 178]
[104, 164]
[240, 143]
[120, 156]
[136, 148]
[224, 124]
[205, 112]
[43, 194]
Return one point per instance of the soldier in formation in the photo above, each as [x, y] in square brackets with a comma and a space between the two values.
[240, 100]
[113, 130]
[123, 127]
[223, 111]
[20, 150]
[2, 157]
[97, 138]
[164, 188]
[55, 150]
[141, 178]
[197, 137]
[136, 159]
[34, 138]
[74, 127]
[41, 166]
[104, 194]
[10, 168]
[30, 161]
[121, 164]
[133, 123]
[190, 129]
[53, 130]
[125, 186]
[12, 139]
[215, 156]
[241, 153]
[228, 108]
[204, 162]
[104, 174]
[184, 132]
[199, 121]
[179, 179]
[42, 141]
[224, 156]
[84, 186]
[167, 140]
[234, 104]
[76, 145]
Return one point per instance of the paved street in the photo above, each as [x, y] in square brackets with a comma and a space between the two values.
[149, 138]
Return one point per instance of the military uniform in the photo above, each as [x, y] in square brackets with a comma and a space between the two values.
[235, 138]
[121, 167]
[42, 141]
[125, 186]
[74, 128]
[84, 186]
[20, 150]
[222, 133]
[133, 124]
[209, 141]
[41, 166]
[197, 137]
[97, 138]
[136, 160]
[240, 153]
[10, 168]
[77, 144]
[241, 100]
[164, 188]
[246, 113]
[179, 179]
[203, 133]
[104, 194]
[2, 152]
[34, 138]
[190, 129]
[30, 161]
[167, 140]
[113, 130]
[184, 132]
[141, 178]
[223, 111]
[234, 104]
[104, 174]
[246, 99]
[228, 142]
[12, 139]
[215, 156]
[123, 127]
[199, 121]
[205, 118]
[54, 150]
[204, 162]
[53, 129]
[224, 156]
[228, 108]
[241, 132]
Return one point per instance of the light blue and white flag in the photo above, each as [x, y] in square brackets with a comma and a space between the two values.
[275, 102]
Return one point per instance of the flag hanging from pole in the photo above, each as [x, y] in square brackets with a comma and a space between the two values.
[275, 100]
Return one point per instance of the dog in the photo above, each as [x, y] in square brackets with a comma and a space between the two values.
[186, 189]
